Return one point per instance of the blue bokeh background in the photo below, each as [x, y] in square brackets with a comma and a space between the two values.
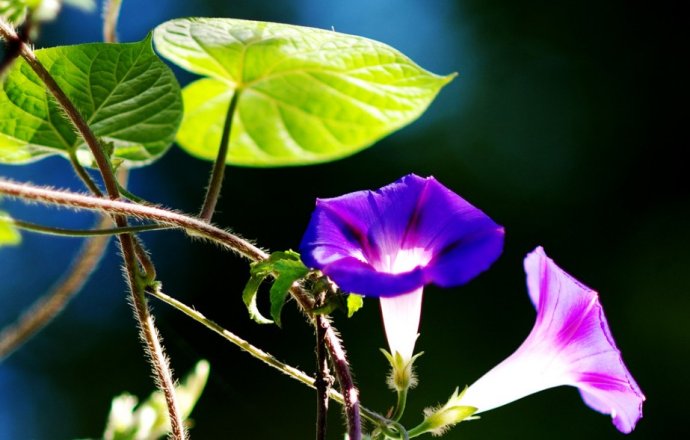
[565, 125]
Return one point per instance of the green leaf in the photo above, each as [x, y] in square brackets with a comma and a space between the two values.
[149, 420]
[286, 267]
[9, 236]
[354, 303]
[287, 272]
[14, 11]
[306, 95]
[129, 97]
[249, 297]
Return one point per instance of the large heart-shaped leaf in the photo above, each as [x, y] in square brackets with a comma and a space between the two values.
[305, 95]
[128, 96]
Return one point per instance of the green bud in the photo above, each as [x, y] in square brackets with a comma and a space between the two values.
[402, 376]
[437, 420]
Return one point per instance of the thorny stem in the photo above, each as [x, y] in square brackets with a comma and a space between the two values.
[261, 355]
[323, 377]
[215, 183]
[47, 307]
[200, 228]
[127, 242]
[96, 232]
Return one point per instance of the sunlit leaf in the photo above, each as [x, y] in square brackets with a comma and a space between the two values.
[14, 11]
[286, 268]
[9, 236]
[129, 97]
[354, 303]
[149, 420]
[306, 95]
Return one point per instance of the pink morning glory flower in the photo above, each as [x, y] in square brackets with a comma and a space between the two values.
[570, 344]
[391, 242]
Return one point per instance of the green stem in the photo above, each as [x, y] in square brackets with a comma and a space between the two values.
[215, 183]
[83, 174]
[400, 405]
[259, 354]
[65, 232]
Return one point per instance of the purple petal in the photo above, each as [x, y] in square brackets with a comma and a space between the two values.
[394, 240]
[572, 313]
[570, 344]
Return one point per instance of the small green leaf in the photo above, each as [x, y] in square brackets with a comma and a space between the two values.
[307, 95]
[14, 11]
[128, 96]
[9, 236]
[249, 297]
[354, 303]
[288, 271]
[286, 268]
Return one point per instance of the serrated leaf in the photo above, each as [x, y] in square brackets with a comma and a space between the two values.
[9, 235]
[129, 97]
[306, 95]
[354, 303]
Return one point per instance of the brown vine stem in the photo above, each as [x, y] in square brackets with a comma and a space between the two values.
[323, 377]
[149, 334]
[261, 355]
[47, 307]
[199, 228]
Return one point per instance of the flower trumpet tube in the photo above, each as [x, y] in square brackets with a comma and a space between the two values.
[391, 242]
[570, 344]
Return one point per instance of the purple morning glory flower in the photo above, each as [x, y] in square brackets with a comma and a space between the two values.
[391, 242]
[570, 344]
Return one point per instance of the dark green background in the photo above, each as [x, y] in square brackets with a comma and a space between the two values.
[564, 125]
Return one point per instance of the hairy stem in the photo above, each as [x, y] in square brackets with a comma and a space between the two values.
[47, 307]
[200, 228]
[192, 225]
[127, 242]
[261, 355]
[215, 183]
[98, 231]
[323, 377]
[150, 337]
